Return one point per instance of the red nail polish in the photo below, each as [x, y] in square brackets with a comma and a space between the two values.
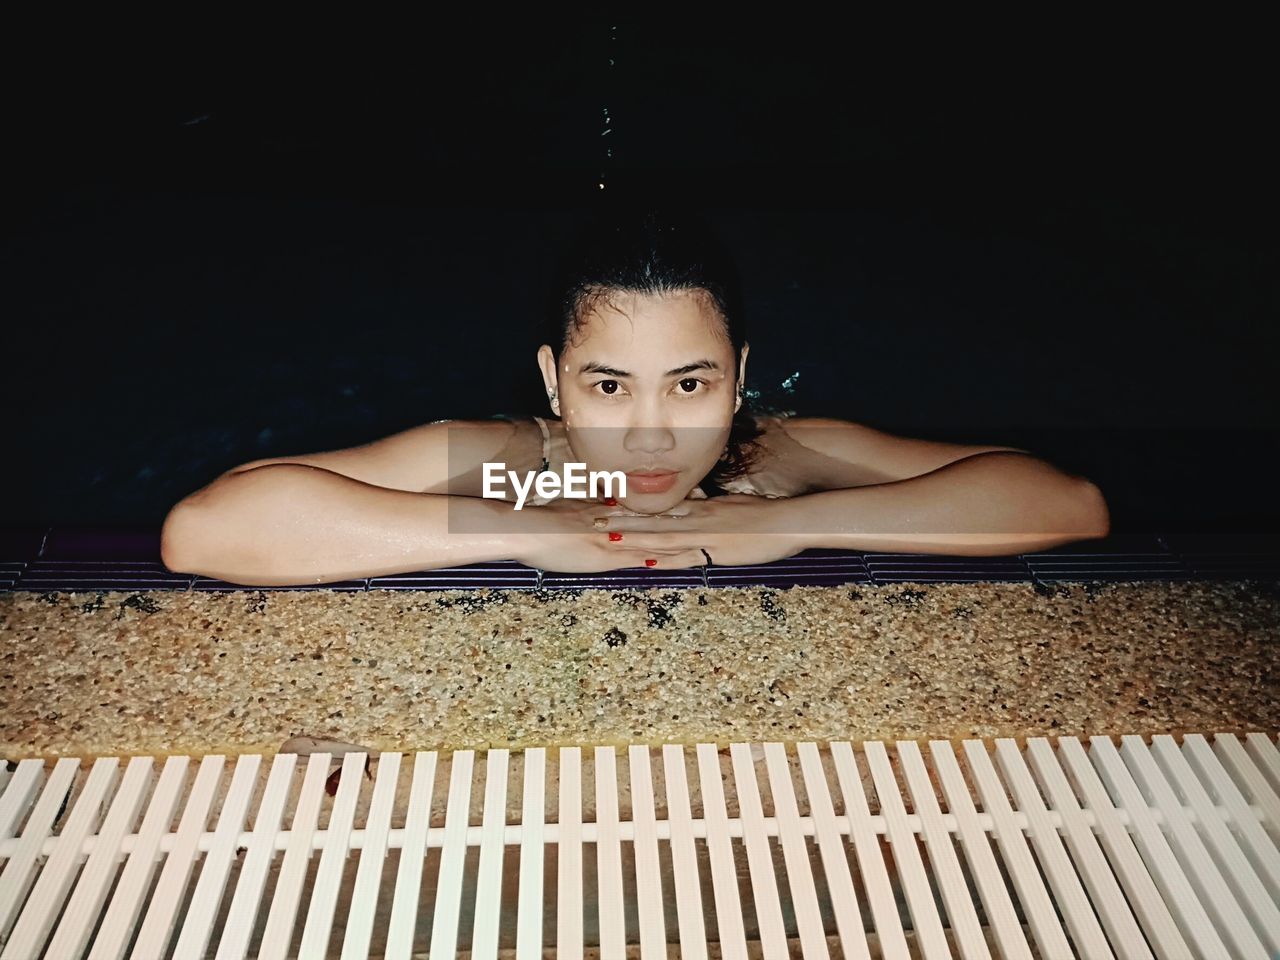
[651, 563]
[614, 535]
[610, 501]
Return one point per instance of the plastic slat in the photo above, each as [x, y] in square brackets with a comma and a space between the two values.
[925, 921]
[364, 897]
[283, 915]
[162, 912]
[199, 924]
[18, 793]
[333, 858]
[866, 844]
[1222, 834]
[1214, 889]
[965, 927]
[413, 851]
[1266, 756]
[131, 890]
[1104, 890]
[77, 922]
[653, 929]
[529, 912]
[1070, 897]
[1150, 840]
[51, 889]
[613, 928]
[684, 856]
[484, 937]
[724, 869]
[1033, 896]
[20, 872]
[764, 881]
[1259, 848]
[1139, 887]
[795, 852]
[1252, 783]
[835, 863]
[996, 901]
[234, 944]
[569, 933]
[453, 856]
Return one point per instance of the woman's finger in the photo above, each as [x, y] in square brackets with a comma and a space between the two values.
[653, 523]
[646, 540]
[631, 543]
[685, 558]
[636, 558]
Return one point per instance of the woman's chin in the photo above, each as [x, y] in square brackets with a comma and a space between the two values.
[653, 502]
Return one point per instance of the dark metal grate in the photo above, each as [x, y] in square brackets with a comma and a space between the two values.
[38, 558]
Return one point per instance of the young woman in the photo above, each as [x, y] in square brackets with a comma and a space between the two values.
[644, 366]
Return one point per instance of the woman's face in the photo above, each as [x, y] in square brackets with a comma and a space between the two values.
[647, 386]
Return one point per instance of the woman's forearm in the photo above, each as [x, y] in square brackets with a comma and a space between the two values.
[287, 524]
[990, 504]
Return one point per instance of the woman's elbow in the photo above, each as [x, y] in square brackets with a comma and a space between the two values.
[178, 539]
[1096, 513]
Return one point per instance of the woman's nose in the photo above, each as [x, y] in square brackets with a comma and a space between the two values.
[649, 439]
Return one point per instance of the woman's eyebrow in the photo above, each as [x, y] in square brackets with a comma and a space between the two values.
[592, 366]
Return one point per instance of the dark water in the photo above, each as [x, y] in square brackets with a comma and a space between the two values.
[1037, 268]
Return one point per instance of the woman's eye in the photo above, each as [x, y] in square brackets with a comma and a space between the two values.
[689, 385]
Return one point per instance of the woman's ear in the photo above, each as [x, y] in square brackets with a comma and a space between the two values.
[547, 364]
[742, 375]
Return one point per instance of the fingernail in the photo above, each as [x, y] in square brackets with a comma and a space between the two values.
[651, 563]
[614, 535]
[610, 501]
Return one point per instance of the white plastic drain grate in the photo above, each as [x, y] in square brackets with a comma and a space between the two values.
[1059, 849]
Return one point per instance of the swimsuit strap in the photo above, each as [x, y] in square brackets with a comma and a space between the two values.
[546, 443]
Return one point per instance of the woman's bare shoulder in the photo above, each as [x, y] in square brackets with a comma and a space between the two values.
[514, 442]
[841, 453]
[420, 459]
[777, 467]
[801, 458]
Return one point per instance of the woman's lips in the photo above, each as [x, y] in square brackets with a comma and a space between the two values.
[651, 482]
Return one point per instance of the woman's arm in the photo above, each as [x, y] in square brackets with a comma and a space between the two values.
[290, 523]
[988, 504]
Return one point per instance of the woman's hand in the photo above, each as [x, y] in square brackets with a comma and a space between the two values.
[573, 536]
[733, 530]
[562, 536]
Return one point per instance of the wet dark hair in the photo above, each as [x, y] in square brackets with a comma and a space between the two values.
[652, 251]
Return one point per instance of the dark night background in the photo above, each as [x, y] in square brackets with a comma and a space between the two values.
[211, 260]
